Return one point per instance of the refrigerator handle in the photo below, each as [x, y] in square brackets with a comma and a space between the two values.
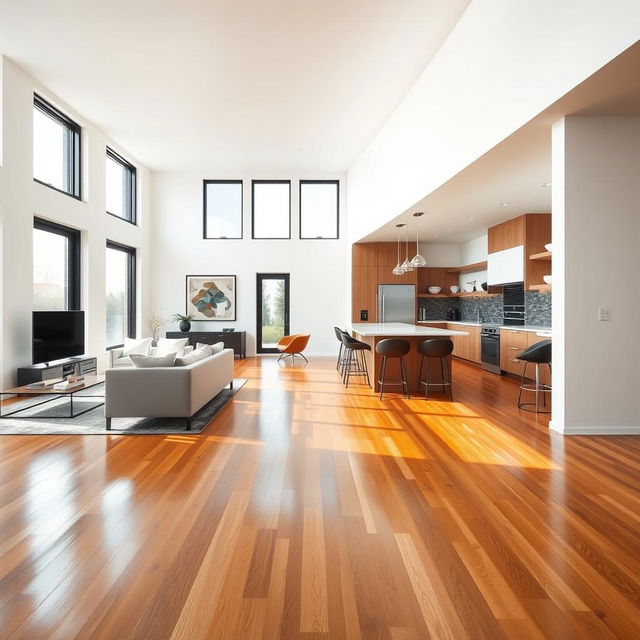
[382, 309]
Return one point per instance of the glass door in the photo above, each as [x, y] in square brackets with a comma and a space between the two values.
[272, 310]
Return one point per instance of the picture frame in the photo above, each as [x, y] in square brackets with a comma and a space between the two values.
[211, 298]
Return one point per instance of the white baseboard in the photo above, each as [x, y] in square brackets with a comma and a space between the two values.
[593, 430]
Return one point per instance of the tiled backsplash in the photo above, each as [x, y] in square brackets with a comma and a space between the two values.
[537, 308]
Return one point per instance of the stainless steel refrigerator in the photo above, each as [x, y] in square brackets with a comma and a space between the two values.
[397, 303]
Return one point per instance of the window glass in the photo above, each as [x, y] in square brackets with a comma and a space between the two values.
[318, 209]
[271, 209]
[50, 271]
[119, 281]
[223, 209]
[120, 183]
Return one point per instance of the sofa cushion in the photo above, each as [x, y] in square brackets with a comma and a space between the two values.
[197, 354]
[147, 362]
[171, 345]
[140, 347]
[215, 348]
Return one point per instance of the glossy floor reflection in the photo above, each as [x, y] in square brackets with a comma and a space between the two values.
[308, 511]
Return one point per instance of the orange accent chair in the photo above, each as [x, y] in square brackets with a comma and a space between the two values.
[293, 346]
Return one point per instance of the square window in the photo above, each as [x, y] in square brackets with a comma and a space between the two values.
[56, 149]
[222, 209]
[319, 209]
[271, 209]
[120, 187]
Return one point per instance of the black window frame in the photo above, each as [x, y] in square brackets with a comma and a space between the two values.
[260, 277]
[253, 201]
[74, 268]
[337, 183]
[204, 209]
[132, 175]
[131, 288]
[73, 151]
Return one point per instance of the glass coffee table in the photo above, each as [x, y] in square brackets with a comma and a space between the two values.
[53, 394]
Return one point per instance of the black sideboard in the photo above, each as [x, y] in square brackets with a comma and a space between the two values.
[236, 340]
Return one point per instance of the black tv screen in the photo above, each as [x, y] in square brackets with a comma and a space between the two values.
[57, 335]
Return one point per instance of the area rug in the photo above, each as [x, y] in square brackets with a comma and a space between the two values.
[93, 423]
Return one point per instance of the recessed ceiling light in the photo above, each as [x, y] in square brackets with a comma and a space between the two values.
[505, 204]
[450, 229]
[435, 235]
[545, 184]
[471, 218]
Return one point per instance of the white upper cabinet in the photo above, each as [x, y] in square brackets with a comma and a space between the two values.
[506, 266]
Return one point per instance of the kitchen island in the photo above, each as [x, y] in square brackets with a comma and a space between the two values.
[371, 333]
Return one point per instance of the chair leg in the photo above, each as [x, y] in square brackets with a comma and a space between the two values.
[442, 374]
[420, 370]
[302, 356]
[348, 372]
[426, 386]
[382, 370]
[524, 371]
[366, 369]
[339, 357]
[448, 365]
[405, 383]
[537, 387]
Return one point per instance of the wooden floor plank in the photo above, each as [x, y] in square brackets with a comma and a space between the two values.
[307, 511]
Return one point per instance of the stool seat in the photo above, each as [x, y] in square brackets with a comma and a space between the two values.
[393, 348]
[539, 352]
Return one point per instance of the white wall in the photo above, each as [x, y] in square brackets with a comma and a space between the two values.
[596, 232]
[21, 199]
[441, 255]
[503, 63]
[318, 268]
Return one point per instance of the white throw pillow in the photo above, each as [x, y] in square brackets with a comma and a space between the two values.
[215, 348]
[197, 354]
[138, 346]
[171, 345]
[148, 362]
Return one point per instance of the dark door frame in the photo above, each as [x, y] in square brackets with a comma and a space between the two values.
[259, 278]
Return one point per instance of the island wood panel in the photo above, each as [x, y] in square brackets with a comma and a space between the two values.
[307, 510]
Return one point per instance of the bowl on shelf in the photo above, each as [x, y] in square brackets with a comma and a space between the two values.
[547, 279]
[454, 288]
[548, 247]
[469, 287]
[434, 290]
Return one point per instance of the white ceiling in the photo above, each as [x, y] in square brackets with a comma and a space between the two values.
[229, 85]
[515, 170]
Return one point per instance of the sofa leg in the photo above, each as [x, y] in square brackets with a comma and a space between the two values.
[108, 420]
[188, 424]
[231, 385]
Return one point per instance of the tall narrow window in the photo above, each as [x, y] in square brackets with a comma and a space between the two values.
[120, 187]
[271, 209]
[56, 267]
[56, 149]
[319, 209]
[121, 294]
[222, 209]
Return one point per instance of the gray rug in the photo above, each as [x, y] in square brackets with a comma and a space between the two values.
[92, 422]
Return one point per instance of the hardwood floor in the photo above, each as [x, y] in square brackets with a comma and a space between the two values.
[307, 511]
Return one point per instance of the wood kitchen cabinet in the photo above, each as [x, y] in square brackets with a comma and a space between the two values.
[506, 235]
[514, 342]
[466, 347]
[372, 264]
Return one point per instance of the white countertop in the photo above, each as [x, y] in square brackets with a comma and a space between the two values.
[526, 327]
[401, 329]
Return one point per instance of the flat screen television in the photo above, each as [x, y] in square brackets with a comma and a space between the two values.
[57, 335]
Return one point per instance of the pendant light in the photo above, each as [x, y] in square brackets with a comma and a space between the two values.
[398, 270]
[418, 260]
[406, 265]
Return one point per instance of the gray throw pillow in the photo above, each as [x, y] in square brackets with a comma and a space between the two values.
[197, 354]
[215, 348]
[148, 362]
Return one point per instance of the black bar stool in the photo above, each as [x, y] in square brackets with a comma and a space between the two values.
[538, 354]
[437, 348]
[393, 348]
[354, 365]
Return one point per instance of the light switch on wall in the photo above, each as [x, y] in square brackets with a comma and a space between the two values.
[604, 314]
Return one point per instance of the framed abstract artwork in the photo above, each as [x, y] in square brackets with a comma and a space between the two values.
[211, 297]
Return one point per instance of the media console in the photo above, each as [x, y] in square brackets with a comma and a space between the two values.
[236, 340]
[82, 365]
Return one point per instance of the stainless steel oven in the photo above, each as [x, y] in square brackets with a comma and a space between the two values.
[490, 347]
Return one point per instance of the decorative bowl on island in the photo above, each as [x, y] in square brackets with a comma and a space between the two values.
[434, 290]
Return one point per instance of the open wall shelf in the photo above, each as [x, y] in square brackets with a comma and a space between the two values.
[460, 294]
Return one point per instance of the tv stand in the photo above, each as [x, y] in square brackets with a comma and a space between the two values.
[85, 365]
